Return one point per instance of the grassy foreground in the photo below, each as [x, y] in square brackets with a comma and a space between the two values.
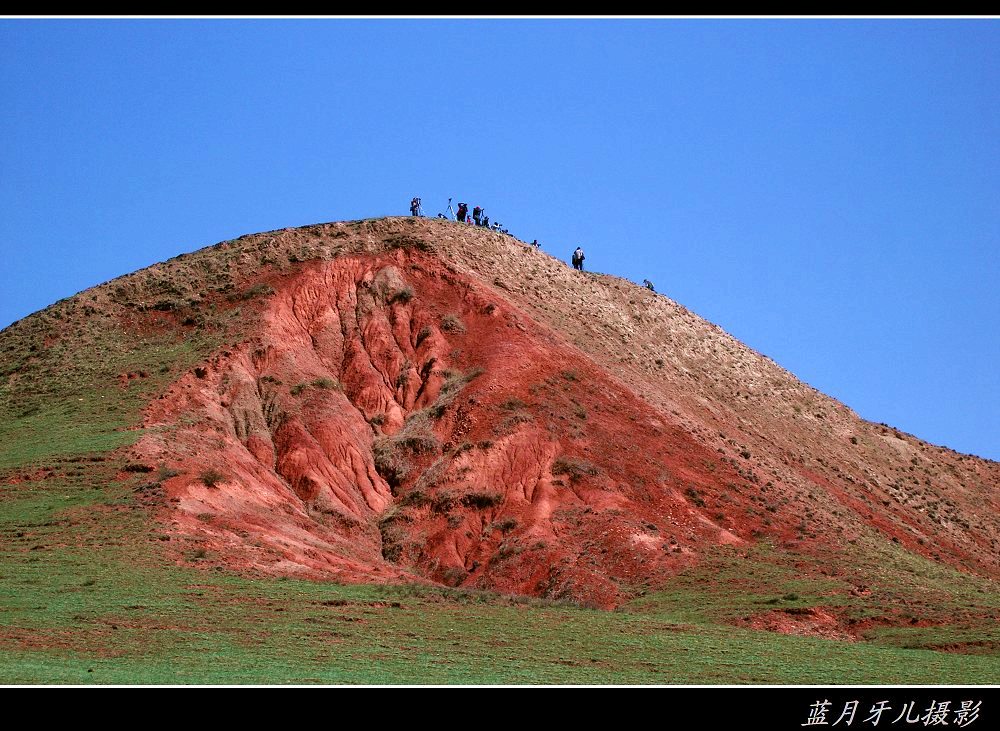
[86, 597]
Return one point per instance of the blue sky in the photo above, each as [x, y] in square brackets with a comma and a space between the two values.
[828, 191]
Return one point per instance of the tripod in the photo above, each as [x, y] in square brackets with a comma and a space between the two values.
[451, 211]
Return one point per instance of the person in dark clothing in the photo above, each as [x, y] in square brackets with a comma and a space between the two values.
[649, 285]
[415, 207]
[463, 210]
[578, 258]
[477, 215]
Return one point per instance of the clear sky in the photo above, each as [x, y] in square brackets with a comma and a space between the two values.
[828, 191]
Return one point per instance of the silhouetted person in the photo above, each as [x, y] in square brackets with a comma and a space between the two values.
[649, 285]
[578, 258]
[415, 207]
[463, 210]
[477, 215]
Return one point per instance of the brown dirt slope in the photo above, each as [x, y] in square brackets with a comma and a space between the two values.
[412, 400]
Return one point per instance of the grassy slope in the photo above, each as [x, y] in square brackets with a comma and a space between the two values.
[85, 598]
[86, 595]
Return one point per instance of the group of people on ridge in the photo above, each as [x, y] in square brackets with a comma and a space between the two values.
[479, 218]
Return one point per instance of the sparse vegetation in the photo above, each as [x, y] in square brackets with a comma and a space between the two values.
[320, 383]
[403, 379]
[452, 323]
[443, 502]
[415, 497]
[165, 473]
[574, 468]
[482, 500]
[424, 333]
[506, 525]
[454, 575]
[211, 477]
[327, 383]
[455, 381]
[508, 424]
[402, 296]
[403, 241]
[417, 443]
[258, 290]
[389, 463]
[393, 535]
[695, 496]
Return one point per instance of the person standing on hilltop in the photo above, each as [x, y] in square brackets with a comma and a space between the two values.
[463, 210]
[415, 207]
[477, 215]
[578, 258]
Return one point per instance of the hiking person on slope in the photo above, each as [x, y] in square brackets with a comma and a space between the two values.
[578, 258]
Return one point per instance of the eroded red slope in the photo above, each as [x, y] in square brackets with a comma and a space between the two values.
[393, 419]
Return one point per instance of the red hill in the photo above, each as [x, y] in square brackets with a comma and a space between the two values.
[414, 400]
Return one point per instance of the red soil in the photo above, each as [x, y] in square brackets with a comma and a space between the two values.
[539, 475]
[810, 622]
